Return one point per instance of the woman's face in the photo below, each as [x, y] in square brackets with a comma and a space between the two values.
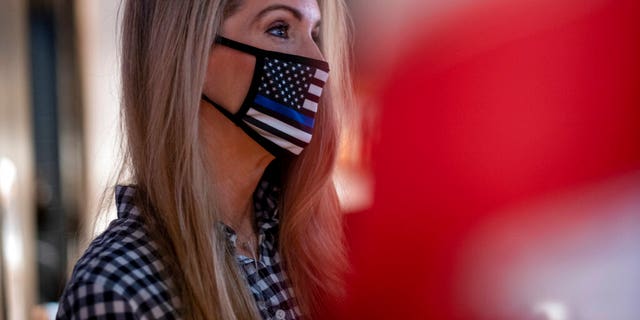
[290, 26]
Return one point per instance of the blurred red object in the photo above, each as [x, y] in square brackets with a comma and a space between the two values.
[502, 104]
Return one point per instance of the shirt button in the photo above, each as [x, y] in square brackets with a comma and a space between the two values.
[280, 314]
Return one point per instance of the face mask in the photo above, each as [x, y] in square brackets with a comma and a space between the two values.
[280, 108]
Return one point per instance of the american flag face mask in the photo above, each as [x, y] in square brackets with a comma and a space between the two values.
[280, 108]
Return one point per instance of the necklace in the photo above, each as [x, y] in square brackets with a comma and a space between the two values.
[245, 242]
[248, 245]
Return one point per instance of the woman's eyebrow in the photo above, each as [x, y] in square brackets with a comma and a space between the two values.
[295, 12]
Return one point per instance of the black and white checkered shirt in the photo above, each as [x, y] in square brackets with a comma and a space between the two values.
[120, 276]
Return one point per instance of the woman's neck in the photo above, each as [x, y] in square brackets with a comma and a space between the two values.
[237, 181]
[238, 163]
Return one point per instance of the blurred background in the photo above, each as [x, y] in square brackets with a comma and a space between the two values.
[496, 174]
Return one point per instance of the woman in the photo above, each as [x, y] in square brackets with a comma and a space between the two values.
[231, 212]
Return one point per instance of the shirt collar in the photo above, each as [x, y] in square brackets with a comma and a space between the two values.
[265, 204]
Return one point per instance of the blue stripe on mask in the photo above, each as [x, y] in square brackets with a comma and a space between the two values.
[284, 111]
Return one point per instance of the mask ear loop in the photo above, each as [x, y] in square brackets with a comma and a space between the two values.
[224, 111]
[239, 46]
[246, 104]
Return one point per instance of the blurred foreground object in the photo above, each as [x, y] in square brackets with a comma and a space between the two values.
[506, 172]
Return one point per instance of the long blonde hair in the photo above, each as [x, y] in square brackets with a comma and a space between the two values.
[165, 49]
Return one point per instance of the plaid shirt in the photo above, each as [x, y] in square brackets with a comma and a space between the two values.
[120, 276]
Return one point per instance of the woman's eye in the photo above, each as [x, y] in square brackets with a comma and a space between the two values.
[280, 31]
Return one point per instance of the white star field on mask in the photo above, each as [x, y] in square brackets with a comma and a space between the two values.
[285, 82]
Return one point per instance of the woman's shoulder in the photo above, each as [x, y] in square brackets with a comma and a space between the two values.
[120, 273]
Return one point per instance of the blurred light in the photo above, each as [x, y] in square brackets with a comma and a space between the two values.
[12, 247]
[354, 188]
[52, 309]
[7, 176]
[552, 310]
[12, 242]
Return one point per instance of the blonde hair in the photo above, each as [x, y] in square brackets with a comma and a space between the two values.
[165, 49]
